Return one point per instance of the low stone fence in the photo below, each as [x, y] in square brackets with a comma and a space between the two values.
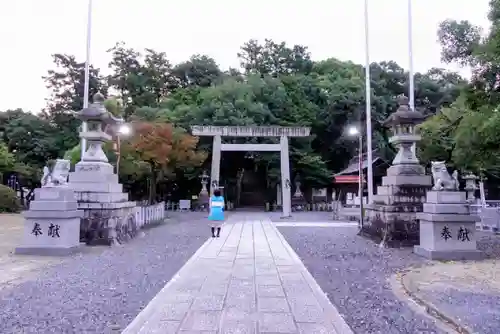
[490, 217]
[147, 214]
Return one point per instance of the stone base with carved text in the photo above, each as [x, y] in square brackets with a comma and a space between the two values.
[392, 217]
[52, 224]
[109, 217]
[447, 229]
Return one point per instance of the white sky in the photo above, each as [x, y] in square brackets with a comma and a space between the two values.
[32, 30]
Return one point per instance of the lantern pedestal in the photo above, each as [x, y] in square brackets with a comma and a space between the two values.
[392, 217]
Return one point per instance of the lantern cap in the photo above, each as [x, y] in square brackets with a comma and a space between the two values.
[404, 115]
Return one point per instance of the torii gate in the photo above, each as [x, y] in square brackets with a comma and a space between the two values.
[253, 131]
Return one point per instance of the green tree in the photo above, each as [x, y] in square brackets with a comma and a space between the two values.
[199, 70]
[274, 58]
[31, 139]
[67, 85]
[7, 159]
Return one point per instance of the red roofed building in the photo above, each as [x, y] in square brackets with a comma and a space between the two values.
[347, 180]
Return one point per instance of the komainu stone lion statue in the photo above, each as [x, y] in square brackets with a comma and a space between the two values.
[55, 174]
[442, 179]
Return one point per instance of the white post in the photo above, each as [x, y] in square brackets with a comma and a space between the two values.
[411, 80]
[482, 194]
[285, 177]
[411, 93]
[369, 155]
[215, 168]
[83, 142]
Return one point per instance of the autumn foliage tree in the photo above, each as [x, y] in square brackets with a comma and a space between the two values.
[166, 149]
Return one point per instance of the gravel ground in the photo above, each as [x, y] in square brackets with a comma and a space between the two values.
[354, 273]
[102, 293]
[478, 311]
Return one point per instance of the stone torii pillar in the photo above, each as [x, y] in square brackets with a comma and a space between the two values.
[215, 168]
[285, 177]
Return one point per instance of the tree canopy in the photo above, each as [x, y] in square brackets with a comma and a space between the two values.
[277, 84]
[466, 133]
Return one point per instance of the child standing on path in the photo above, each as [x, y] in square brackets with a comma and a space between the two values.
[216, 216]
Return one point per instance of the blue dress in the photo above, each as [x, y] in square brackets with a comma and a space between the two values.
[216, 210]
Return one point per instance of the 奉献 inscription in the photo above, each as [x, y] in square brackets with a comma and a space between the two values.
[463, 234]
[37, 230]
[445, 233]
[53, 231]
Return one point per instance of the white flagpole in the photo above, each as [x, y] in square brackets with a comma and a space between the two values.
[411, 80]
[83, 142]
[368, 108]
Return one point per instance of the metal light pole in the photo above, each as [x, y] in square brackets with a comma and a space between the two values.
[354, 131]
[83, 142]
[360, 181]
[368, 109]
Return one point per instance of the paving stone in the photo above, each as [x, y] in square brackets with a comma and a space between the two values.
[268, 280]
[244, 327]
[173, 311]
[234, 314]
[161, 327]
[273, 304]
[208, 303]
[214, 289]
[202, 321]
[270, 291]
[293, 269]
[276, 323]
[292, 277]
[241, 284]
[179, 298]
[306, 313]
[308, 328]
[297, 287]
[243, 274]
[244, 261]
[244, 303]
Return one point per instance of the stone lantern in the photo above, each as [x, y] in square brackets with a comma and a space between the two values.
[109, 216]
[204, 181]
[204, 197]
[471, 187]
[391, 218]
[403, 125]
[98, 120]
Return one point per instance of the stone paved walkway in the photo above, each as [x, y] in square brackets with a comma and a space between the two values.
[247, 281]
